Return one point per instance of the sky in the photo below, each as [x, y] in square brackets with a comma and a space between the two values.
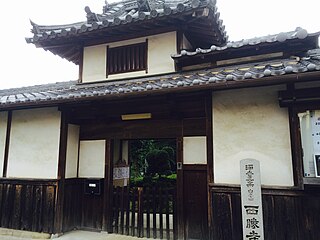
[23, 64]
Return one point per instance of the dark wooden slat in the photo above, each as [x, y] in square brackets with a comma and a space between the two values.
[27, 213]
[268, 216]
[133, 212]
[48, 214]
[127, 225]
[122, 209]
[154, 212]
[222, 224]
[160, 197]
[129, 63]
[8, 206]
[116, 209]
[147, 207]
[167, 212]
[16, 223]
[37, 209]
[133, 64]
[137, 58]
[174, 207]
[145, 64]
[140, 212]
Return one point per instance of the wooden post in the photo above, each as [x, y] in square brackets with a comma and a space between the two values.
[179, 221]
[58, 220]
[7, 143]
[108, 189]
[209, 136]
[140, 212]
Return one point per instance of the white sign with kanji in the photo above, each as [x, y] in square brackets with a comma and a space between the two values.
[121, 173]
[251, 204]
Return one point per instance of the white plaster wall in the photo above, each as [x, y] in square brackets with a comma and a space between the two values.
[160, 48]
[94, 63]
[248, 123]
[194, 150]
[92, 158]
[72, 151]
[34, 143]
[3, 133]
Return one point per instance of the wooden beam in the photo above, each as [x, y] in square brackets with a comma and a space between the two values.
[58, 221]
[7, 145]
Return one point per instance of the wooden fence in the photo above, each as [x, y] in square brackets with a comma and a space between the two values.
[288, 214]
[144, 212]
[27, 204]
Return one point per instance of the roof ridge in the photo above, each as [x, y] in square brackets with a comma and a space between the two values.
[298, 33]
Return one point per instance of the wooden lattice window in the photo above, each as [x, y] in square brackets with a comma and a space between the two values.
[127, 58]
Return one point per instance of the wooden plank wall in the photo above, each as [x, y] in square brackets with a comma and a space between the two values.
[81, 211]
[27, 204]
[195, 201]
[72, 204]
[287, 214]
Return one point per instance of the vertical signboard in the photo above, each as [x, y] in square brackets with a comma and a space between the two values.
[251, 204]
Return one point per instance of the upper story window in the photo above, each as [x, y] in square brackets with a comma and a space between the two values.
[127, 58]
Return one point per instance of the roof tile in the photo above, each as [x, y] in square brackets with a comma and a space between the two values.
[68, 91]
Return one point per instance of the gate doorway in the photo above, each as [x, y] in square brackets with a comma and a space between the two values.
[144, 188]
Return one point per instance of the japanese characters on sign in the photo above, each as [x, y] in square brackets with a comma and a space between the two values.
[251, 204]
[121, 173]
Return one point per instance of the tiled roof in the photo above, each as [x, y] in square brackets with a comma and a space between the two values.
[298, 33]
[204, 79]
[123, 13]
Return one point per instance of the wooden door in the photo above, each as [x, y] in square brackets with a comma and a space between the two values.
[195, 201]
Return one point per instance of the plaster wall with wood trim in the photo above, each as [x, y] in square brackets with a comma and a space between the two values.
[72, 151]
[34, 143]
[248, 123]
[3, 133]
[160, 48]
[92, 158]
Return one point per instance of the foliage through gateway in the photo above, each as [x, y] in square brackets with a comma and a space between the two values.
[153, 162]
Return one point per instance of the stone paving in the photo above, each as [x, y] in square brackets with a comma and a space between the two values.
[74, 235]
[84, 235]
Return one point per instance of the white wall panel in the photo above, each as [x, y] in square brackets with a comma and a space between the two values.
[72, 151]
[194, 150]
[92, 158]
[34, 143]
[248, 123]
